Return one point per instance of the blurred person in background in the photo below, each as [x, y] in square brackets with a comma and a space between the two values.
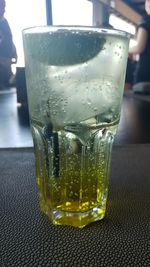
[8, 54]
[142, 48]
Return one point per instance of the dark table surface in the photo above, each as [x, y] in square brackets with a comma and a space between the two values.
[28, 238]
[134, 126]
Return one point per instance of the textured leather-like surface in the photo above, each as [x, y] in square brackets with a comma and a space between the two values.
[28, 238]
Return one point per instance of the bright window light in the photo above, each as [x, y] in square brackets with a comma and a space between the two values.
[23, 14]
[121, 24]
[72, 12]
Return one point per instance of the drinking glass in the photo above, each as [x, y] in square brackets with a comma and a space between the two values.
[75, 80]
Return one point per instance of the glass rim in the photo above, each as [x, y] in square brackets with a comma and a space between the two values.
[54, 28]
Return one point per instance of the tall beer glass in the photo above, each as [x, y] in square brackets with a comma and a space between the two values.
[75, 81]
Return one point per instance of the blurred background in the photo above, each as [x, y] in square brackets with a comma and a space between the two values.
[122, 15]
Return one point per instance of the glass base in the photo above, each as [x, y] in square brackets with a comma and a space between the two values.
[77, 219]
[72, 173]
